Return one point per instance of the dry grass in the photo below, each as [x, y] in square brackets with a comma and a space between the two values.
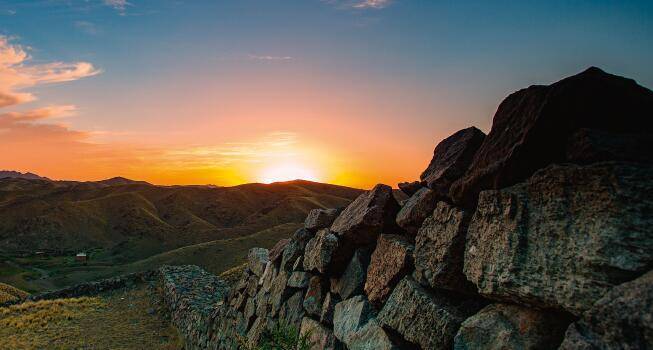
[119, 320]
[9, 293]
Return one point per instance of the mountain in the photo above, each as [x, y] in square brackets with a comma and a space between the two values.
[18, 175]
[119, 180]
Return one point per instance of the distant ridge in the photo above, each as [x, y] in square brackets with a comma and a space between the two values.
[19, 175]
[119, 180]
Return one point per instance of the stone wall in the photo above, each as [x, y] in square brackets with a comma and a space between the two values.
[535, 236]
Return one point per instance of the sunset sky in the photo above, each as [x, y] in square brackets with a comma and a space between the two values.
[353, 92]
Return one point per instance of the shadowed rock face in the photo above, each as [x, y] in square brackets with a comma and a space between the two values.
[391, 261]
[417, 208]
[532, 126]
[622, 319]
[565, 237]
[504, 326]
[451, 158]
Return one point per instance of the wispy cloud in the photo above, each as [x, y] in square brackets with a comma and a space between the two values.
[86, 27]
[270, 58]
[118, 5]
[360, 4]
[17, 74]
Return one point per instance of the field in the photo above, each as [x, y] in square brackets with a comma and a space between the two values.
[123, 319]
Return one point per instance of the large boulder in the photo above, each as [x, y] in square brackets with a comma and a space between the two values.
[622, 319]
[532, 127]
[330, 302]
[410, 188]
[314, 298]
[277, 251]
[350, 316]
[320, 218]
[292, 311]
[319, 337]
[257, 258]
[363, 221]
[591, 146]
[391, 261]
[299, 279]
[505, 326]
[440, 247]
[279, 291]
[429, 319]
[373, 337]
[320, 251]
[565, 237]
[418, 207]
[451, 158]
[352, 280]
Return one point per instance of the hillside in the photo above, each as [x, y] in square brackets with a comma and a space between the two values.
[119, 222]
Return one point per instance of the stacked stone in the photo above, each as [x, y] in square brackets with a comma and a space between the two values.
[535, 236]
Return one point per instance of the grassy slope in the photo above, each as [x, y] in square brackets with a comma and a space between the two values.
[116, 320]
[10, 293]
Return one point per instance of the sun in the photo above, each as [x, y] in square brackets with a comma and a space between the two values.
[287, 172]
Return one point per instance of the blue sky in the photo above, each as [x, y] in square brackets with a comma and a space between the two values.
[408, 71]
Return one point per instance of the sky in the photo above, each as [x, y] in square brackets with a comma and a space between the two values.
[352, 92]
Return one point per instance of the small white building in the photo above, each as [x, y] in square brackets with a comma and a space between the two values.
[81, 257]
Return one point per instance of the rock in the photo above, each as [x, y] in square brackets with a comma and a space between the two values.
[314, 296]
[299, 279]
[440, 247]
[262, 304]
[504, 326]
[410, 188]
[291, 253]
[351, 315]
[278, 292]
[362, 221]
[319, 251]
[292, 311]
[299, 264]
[326, 314]
[252, 285]
[320, 218]
[372, 337]
[320, 337]
[250, 310]
[590, 146]
[417, 208]
[256, 331]
[565, 237]
[268, 277]
[532, 127]
[428, 319]
[621, 319]
[277, 251]
[302, 236]
[391, 261]
[451, 158]
[257, 258]
[352, 280]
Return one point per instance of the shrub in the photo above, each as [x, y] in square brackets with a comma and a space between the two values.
[281, 337]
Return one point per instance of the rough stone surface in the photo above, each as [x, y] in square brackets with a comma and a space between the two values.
[277, 251]
[257, 259]
[320, 337]
[410, 188]
[591, 146]
[352, 280]
[622, 319]
[320, 218]
[504, 326]
[428, 319]
[292, 311]
[565, 237]
[451, 158]
[372, 337]
[418, 207]
[291, 252]
[326, 314]
[278, 292]
[314, 297]
[299, 279]
[351, 315]
[362, 221]
[531, 127]
[440, 247]
[391, 261]
[319, 251]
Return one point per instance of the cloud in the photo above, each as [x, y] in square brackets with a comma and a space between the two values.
[118, 5]
[360, 4]
[86, 27]
[28, 128]
[269, 58]
[16, 73]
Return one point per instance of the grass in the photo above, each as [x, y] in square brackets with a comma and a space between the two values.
[124, 319]
[10, 293]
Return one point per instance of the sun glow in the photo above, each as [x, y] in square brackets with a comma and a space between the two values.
[287, 172]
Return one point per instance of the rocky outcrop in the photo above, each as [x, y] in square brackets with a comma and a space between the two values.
[257, 259]
[410, 188]
[352, 280]
[320, 218]
[532, 127]
[451, 158]
[363, 221]
[504, 326]
[319, 336]
[391, 261]
[440, 248]
[622, 319]
[565, 237]
[320, 251]
[426, 318]
[416, 210]
[350, 316]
